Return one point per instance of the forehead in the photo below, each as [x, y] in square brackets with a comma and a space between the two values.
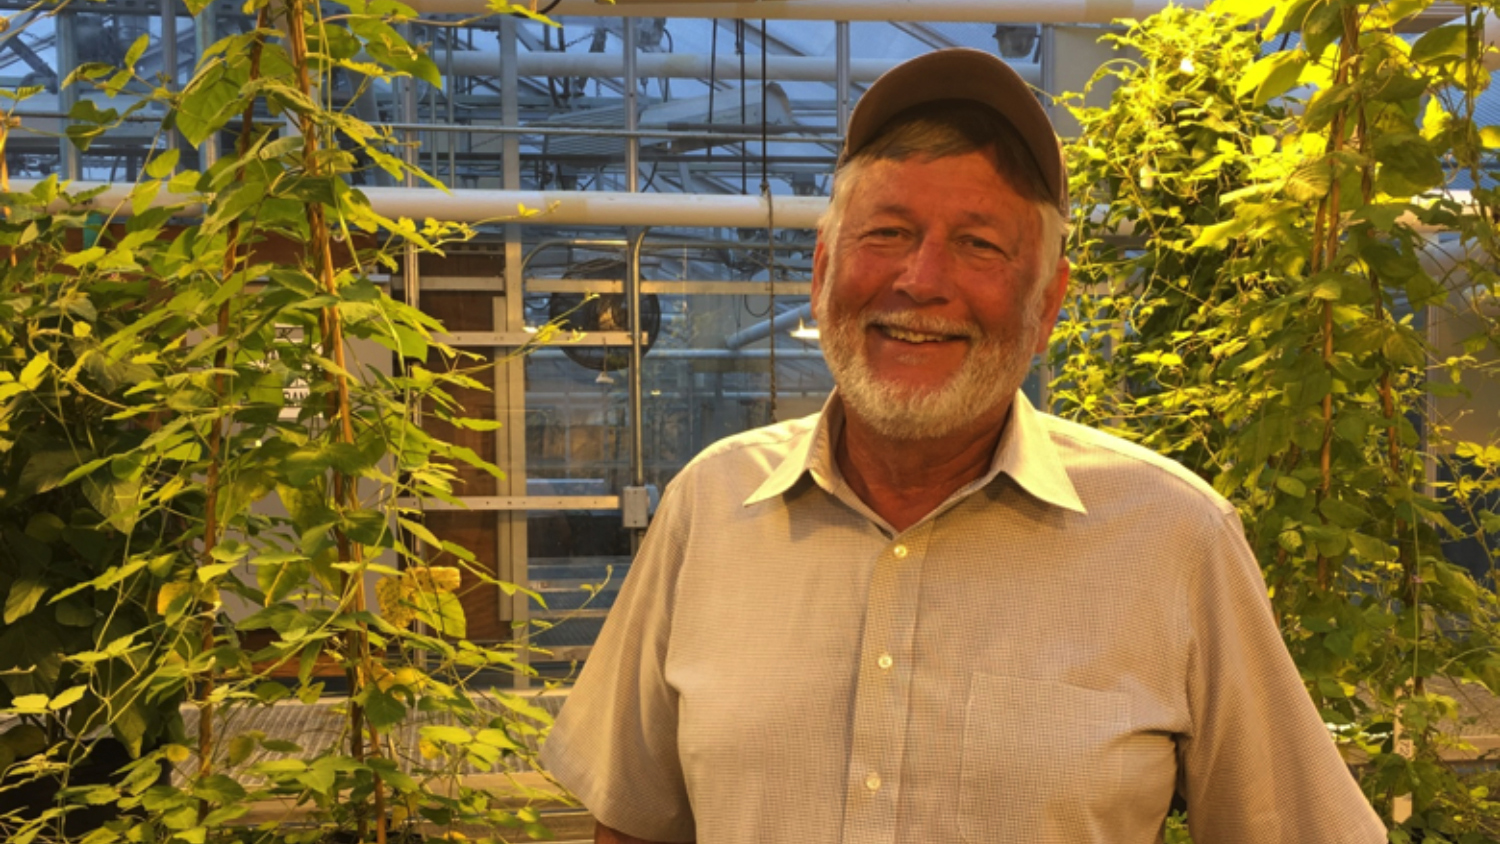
[961, 187]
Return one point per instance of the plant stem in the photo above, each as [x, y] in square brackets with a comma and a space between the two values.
[345, 495]
[211, 526]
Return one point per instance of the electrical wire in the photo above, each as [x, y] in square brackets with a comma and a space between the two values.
[713, 84]
[765, 190]
[739, 47]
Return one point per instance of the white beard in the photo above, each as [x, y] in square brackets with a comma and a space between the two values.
[992, 371]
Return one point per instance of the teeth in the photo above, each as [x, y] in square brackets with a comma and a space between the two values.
[912, 336]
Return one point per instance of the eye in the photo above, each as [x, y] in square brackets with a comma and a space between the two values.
[884, 233]
[980, 244]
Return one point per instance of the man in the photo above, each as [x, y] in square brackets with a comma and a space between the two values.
[931, 613]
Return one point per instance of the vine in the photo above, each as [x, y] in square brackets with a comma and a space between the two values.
[156, 468]
[1257, 265]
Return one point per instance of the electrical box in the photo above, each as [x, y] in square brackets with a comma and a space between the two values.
[635, 506]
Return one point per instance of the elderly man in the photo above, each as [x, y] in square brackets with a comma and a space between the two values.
[931, 613]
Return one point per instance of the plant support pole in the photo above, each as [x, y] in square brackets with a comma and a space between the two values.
[343, 415]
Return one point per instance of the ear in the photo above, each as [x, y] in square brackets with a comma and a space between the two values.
[819, 274]
[1051, 304]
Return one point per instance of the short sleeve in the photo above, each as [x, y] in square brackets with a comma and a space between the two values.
[614, 744]
[1259, 766]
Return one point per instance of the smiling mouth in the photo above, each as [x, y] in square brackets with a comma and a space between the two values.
[908, 335]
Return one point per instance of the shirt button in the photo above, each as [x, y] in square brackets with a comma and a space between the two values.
[872, 781]
[885, 661]
[899, 551]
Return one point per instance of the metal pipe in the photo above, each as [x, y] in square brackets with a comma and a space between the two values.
[559, 208]
[953, 11]
[450, 92]
[690, 66]
[845, 71]
[169, 54]
[411, 270]
[67, 60]
[543, 129]
[632, 116]
[552, 244]
[204, 35]
[637, 424]
[766, 327]
[657, 352]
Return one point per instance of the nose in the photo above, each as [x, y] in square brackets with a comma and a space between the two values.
[926, 273]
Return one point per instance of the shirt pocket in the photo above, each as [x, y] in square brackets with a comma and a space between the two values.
[1041, 761]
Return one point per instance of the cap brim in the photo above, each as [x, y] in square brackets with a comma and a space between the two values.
[961, 73]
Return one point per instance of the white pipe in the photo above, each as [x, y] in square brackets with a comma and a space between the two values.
[954, 11]
[555, 208]
[687, 66]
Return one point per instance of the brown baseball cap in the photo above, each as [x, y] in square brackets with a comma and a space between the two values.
[961, 73]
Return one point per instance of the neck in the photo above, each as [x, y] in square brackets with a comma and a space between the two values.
[904, 480]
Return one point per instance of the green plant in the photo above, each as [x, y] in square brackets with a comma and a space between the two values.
[1253, 279]
[145, 424]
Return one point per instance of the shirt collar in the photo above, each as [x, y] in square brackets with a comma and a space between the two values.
[1025, 453]
[811, 453]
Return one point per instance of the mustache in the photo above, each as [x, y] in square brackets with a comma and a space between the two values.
[925, 324]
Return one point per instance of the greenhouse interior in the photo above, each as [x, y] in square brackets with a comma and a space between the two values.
[352, 347]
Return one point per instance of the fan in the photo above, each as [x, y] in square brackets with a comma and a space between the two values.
[605, 312]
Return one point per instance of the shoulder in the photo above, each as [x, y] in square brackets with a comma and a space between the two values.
[753, 455]
[1107, 470]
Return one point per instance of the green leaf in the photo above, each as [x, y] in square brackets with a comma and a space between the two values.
[136, 50]
[119, 501]
[303, 465]
[1291, 486]
[31, 374]
[163, 163]
[367, 527]
[1344, 513]
[420, 531]
[1442, 42]
[383, 710]
[279, 577]
[232, 205]
[1328, 289]
[442, 611]
[23, 598]
[67, 698]
[1271, 76]
[1217, 235]
[240, 748]
[83, 258]
[1310, 181]
[270, 691]
[143, 195]
[1404, 347]
[1372, 549]
[1408, 163]
[185, 182]
[207, 104]
[1340, 643]
[447, 734]
[470, 424]
[130, 725]
[1290, 540]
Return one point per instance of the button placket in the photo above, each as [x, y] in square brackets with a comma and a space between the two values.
[877, 749]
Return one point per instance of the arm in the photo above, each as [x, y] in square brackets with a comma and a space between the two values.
[614, 744]
[605, 835]
[1259, 766]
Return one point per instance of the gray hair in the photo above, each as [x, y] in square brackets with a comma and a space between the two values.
[945, 128]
